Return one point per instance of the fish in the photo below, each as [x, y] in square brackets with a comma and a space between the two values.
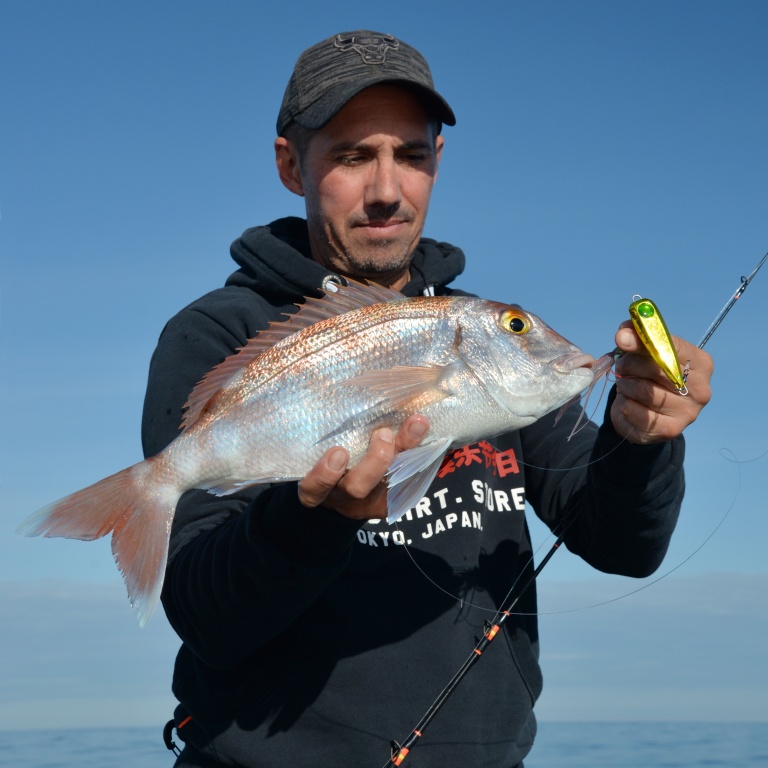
[358, 358]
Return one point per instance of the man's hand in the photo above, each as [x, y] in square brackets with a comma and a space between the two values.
[361, 492]
[648, 408]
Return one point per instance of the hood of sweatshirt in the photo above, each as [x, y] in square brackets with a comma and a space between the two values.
[275, 261]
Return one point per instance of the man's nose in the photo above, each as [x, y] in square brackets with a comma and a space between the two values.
[384, 185]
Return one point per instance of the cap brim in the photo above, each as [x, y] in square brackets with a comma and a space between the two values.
[326, 108]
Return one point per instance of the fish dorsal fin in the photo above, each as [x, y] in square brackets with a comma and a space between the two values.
[345, 298]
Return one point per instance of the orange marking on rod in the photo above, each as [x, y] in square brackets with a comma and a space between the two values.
[183, 722]
[401, 755]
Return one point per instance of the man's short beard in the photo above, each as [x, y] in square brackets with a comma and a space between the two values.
[368, 266]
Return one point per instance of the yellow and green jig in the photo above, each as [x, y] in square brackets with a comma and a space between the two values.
[653, 332]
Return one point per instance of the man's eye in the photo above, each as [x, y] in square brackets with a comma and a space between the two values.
[351, 159]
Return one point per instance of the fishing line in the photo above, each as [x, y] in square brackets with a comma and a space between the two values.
[567, 521]
[553, 534]
[577, 466]
[576, 427]
[557, 533]
[743, 461]
[714, 325]
[681, 563]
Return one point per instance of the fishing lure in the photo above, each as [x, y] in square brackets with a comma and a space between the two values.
[653, 332]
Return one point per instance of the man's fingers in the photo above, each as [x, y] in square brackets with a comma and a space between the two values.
[372, 468]
[323, 477]
[411, 433]
[648, 408]
[361, 490]
[627, 339]
[329, 481]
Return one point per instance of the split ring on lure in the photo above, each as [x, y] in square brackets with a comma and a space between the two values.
[653, 332]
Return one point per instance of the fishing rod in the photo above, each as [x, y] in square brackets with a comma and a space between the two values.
[401, 750]
[745, 281]
[492, 627]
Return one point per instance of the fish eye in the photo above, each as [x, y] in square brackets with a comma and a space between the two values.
[515, 321]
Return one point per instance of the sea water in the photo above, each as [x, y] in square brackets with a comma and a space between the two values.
[650, 745]
[559, 745]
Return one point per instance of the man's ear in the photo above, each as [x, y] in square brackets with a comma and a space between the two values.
[287, 161]
[439, 143]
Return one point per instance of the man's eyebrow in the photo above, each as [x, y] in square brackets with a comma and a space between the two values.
[419, 144]
[346, 146]
[362, 146]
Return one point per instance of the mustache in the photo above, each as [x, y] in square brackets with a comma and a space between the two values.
[379, 215]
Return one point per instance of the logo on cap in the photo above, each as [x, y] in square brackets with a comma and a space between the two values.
[372, 48]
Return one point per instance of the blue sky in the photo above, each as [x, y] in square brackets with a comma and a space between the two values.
[603, 149]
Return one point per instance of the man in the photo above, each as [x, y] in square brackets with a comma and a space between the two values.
[313, 633]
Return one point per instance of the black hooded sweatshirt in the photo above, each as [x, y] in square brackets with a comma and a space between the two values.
[309, 639]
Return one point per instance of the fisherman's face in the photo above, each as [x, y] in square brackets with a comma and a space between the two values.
[367, 178]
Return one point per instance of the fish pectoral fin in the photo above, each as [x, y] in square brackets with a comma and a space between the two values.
[405, 385]
[411, 474]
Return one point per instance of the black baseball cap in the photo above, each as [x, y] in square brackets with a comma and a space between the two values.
[329, 74]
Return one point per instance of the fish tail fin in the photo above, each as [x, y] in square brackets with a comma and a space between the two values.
[136, 505]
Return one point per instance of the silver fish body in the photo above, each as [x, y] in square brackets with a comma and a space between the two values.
[358, 359]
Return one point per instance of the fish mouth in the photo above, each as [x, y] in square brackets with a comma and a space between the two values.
[572, 361]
